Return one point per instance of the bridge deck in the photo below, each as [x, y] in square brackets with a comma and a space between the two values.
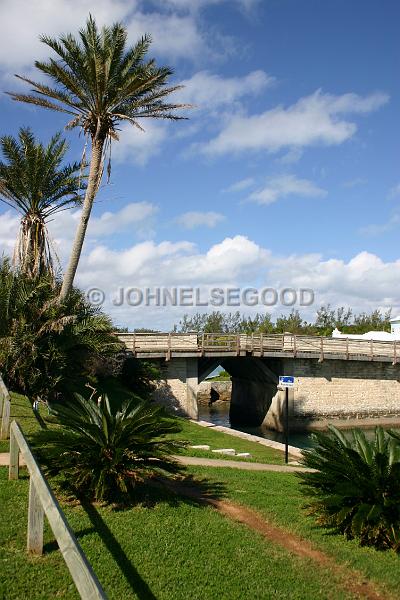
[170, 345]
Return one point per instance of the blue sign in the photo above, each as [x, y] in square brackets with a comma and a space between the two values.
[286, 381]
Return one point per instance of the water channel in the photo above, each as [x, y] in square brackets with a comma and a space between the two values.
[218, 414]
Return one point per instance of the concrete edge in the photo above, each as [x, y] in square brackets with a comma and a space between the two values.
[293, 450]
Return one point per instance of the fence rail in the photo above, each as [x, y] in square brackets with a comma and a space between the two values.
[285, 344]
[43, 502]
[5, 409]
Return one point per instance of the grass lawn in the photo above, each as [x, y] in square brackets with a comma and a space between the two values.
[161, 549]
[196, 435]
[169, 548]
[21, 410]
[277, 497]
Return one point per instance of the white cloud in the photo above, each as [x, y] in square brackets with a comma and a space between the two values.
[138, 147]
[9, 225]
[22, 22]
[364, 282]
[192, 219]
[196, 5]
[352, 183]
[210, 91]
[282, 186]
[241, 185]
[313, 120]
[376, 229]
[173, 35]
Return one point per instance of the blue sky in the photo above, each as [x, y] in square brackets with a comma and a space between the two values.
[286, 173]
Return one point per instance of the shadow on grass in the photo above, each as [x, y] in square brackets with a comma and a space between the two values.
[134, 579]
[158, 490]
[187, 490]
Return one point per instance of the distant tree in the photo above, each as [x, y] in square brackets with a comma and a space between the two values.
[293, 323]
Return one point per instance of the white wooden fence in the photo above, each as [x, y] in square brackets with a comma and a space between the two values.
[43, 502]
[5, 408]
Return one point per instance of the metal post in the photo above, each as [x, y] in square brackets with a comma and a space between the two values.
[286, 425]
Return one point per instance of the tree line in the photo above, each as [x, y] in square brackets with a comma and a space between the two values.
[326, 320]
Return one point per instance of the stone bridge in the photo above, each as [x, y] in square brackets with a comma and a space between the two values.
[337, 379]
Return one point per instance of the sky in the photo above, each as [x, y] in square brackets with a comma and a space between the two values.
[285, 174]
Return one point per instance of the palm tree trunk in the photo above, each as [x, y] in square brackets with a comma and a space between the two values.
[91, 190]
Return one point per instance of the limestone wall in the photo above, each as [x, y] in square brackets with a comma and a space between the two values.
[343, 390]
[178, 388]
[214, 391]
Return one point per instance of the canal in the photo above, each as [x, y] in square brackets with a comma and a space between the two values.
[218, 414]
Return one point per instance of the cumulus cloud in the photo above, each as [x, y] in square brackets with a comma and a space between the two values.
[138, 147]
[50, 17]
[282, 186]
[210, 91]
[176, 33]
[313, 120]
[192, 219]
[364, 282]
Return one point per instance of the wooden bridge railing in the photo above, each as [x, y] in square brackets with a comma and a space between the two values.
[43, 502]
[281, 344]
[5, 409]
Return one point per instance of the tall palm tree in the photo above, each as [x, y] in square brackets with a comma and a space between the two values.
[35, 183]
[100, 82]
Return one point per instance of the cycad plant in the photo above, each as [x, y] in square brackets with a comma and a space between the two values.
[102, 454]
[100, 82]
[35, 182]
[356, 486]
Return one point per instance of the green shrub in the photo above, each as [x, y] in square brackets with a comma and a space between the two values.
[48, 349]
[356, 486]
[102, 454]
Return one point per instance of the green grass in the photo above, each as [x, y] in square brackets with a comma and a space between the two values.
[162, 548]
[22, 576]
[195, 435]
[277, 496]
[21, 410]
[169, 548]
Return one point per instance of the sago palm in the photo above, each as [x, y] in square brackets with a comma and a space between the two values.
[102, 454]
[356, 485]
[100, 82]
[34, 181]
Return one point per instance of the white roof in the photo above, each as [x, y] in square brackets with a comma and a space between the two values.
[395, 319]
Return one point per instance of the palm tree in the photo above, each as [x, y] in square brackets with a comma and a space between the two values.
[100, 82]
[34, 182]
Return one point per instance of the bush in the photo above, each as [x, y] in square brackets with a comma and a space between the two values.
[356, 486]
[102, 454]
[48, 349]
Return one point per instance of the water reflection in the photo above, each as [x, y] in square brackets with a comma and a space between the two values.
[218, 414]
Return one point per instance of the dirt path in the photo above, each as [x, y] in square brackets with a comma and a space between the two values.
[350, 580]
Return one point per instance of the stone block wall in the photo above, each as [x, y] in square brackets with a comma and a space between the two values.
[178, 388]
[214, 391]
[340, 390]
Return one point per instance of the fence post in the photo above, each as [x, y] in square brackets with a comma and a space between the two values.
[35, 521]
[5, 419]
[13, 469]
